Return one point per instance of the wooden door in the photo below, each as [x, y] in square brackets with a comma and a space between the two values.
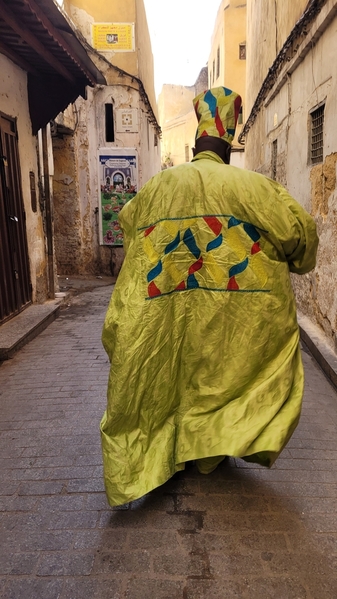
[15, 287]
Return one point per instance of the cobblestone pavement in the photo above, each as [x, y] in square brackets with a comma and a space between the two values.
[242, 532]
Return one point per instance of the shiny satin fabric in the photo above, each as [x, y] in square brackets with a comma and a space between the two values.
[201, 329]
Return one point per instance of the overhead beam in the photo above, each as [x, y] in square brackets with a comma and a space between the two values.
[21, 62]
[9, 17]
[47, 24]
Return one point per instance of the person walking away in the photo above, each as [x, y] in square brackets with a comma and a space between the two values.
[201, 330]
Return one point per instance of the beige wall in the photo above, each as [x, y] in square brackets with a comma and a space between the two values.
[86, 12]
[229, 32]
[145, 56]
[14, 103]
[76, 158]
[140, 62]
[268, 24]
[178, 122]
[306, 80]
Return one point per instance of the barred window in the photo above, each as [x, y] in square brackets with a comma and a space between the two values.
[218, 62]
[242, 51]
[316, 141]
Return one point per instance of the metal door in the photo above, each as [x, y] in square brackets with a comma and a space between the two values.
[15, 288]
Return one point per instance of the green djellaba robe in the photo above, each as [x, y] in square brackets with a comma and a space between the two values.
[201, 330]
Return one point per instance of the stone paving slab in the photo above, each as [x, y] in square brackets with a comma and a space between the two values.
[15, 333]
[242, 532]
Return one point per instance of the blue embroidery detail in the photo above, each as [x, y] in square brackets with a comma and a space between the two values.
[154, 272]
[172, 245]
[237, 268]
[192, 282]
[215, 243]
[233, 222]
[190, 242]
[252, 232]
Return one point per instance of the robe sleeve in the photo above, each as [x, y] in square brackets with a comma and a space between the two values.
[300, 247]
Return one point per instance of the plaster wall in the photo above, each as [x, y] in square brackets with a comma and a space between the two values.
[173, 101]
[76, 189]
[179, 139]
[178, 122]
[310, 81]
[14, 103]
[75, 184]
[145, 56]
[217, 41]
[238, 159]
[229, 32]
[84, 13]
[143, 140]
[268, 26]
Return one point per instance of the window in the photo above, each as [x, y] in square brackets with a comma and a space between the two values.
[242, 51]
[213, 71]
[218, 62]
[274, 160]
[316, 129]
[187, 153]
[109, 123]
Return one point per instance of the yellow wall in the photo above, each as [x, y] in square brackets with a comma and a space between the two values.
[229, 32]
[140, 62]
[178, 121]
[145, 56]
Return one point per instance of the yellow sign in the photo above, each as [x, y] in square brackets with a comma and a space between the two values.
[116, 37]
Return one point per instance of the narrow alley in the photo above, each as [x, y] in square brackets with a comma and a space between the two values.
[243, 531]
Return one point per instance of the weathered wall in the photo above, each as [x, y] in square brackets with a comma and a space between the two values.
[178, 122]
[14, 103]
[307, 79]
[86, 12]
[76, 189]
[229, 32]
[174, 101]
[268, 26]
[145, 56]
[124, 90]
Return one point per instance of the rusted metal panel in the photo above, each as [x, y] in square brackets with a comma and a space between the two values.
[37, 37]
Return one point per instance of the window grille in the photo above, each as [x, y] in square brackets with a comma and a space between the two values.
[218, 62]
[317, 121]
